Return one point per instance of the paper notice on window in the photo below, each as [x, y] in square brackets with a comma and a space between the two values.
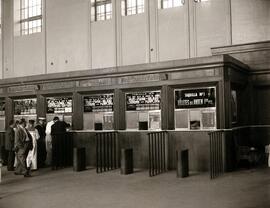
[208, 119]
[154, 120]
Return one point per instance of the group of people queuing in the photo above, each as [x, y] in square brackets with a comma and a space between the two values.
[31, 146]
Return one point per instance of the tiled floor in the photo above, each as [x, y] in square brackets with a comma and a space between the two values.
[68, 189]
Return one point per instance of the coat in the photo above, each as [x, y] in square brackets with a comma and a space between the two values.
[9, 139]
[21, 145]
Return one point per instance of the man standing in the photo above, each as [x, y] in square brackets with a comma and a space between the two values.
[23, 143]
[48, 141]
[41, 144]
[9, 145]
[58, 131]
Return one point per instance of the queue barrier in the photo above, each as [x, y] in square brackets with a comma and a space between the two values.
[158, 152]
[127, 161]
[217, 153]
[107, 151]
[182, 164]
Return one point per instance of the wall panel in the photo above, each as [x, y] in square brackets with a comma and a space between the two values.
[67, 35]
[173, 33]
[29, 55]
[135, 49]
[103, 43]
[250, 21]
[212, 25]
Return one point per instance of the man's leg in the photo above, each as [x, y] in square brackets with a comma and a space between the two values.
[21, 165]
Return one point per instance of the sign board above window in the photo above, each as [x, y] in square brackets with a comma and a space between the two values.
[98, 103]
[25, 106]
[141, 101]
[195, 98]
[59, 105]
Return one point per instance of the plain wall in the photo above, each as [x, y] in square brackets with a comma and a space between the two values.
[69, 41]
[67, 35]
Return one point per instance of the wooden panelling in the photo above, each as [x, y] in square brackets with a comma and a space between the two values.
[262, 113]
[77, 111]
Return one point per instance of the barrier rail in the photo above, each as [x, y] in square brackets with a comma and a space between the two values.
[158, 152]
[217, 153]
[107, 151]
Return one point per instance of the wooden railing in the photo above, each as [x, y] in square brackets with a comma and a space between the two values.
[107, 151]
[217, 153]
[158, 152]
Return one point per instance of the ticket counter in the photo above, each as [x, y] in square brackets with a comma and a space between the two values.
[143, 111]
[98, 112]
[25, 108]
[61, 107]
[195, 109]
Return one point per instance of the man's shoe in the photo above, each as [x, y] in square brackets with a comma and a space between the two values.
[27, 175]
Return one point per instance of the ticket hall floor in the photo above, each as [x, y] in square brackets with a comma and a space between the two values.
[68, 189]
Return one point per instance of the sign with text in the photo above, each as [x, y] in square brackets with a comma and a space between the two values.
[59, 105]
[195, 98]
[138, 101]
[98, 103]
[25, 106]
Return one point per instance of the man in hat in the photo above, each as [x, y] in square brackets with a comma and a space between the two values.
[23, 144]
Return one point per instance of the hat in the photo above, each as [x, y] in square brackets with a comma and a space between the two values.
[41, 118]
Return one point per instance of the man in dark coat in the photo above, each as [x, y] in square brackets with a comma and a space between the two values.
[41, 145]
[9, 145]
[23, 144]
[59, 135]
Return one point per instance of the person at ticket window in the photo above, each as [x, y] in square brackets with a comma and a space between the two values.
[48, 141]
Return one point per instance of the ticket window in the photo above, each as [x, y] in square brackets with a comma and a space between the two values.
[25, 108]
[98, 112]
[195, 109]
[143, 110]
[60, 107]
[2, 115]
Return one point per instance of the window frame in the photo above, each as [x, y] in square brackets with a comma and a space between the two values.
[29, 19]
[161, 2]
[125, 9]
[95, 4]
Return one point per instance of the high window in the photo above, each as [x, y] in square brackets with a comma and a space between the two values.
[131, 7]
[164, 4]
[101, 10]
[31, 16]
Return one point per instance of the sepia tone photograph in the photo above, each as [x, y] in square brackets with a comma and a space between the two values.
[134, 103]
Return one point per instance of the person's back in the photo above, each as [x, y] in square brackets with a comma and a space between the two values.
[59, 127]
